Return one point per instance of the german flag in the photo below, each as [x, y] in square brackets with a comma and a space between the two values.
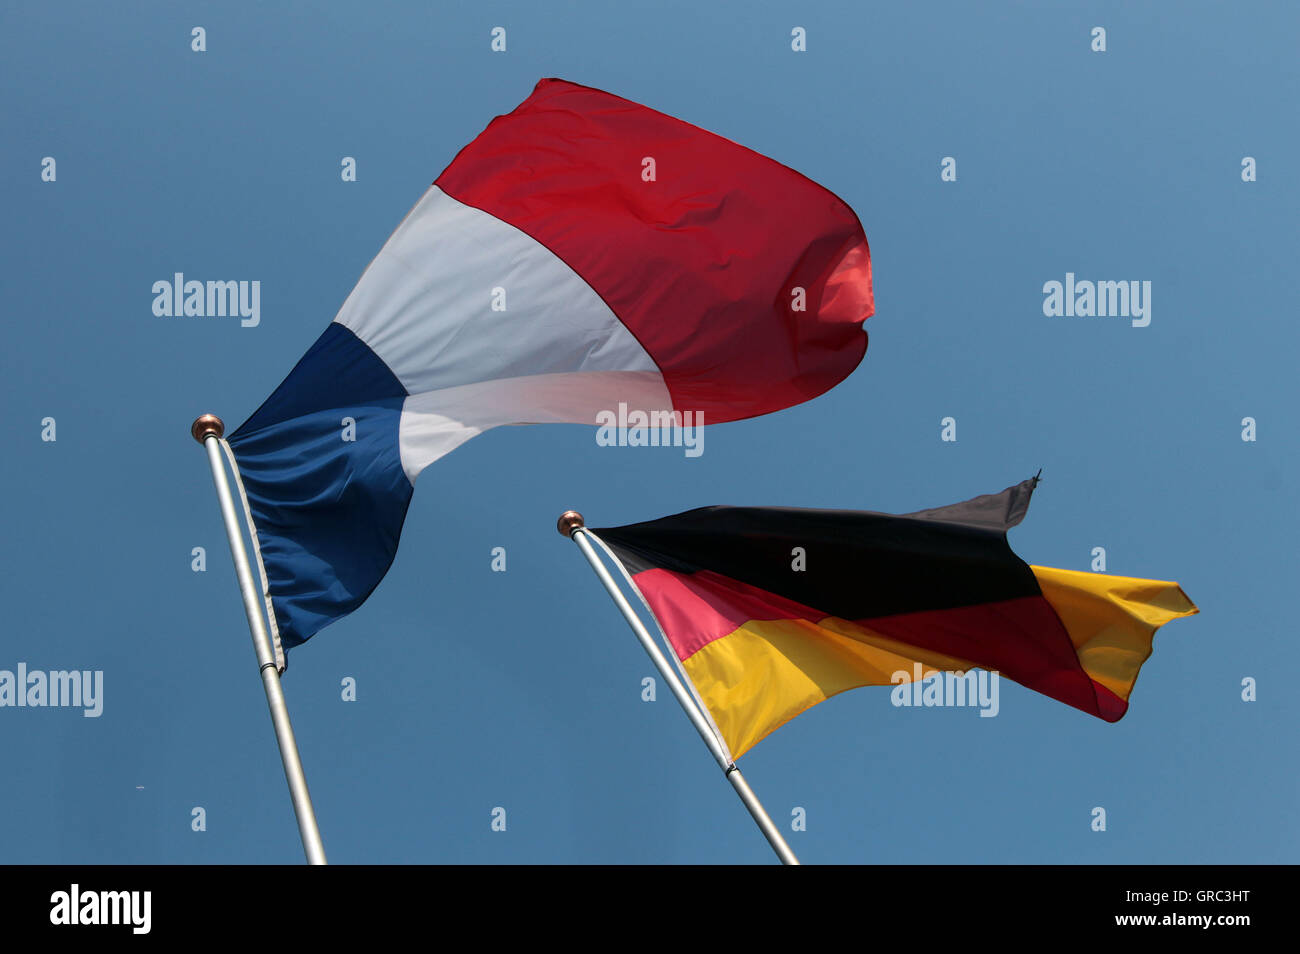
[771, 610]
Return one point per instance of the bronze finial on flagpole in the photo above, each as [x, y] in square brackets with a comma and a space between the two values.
[206, 424]
[569, 521]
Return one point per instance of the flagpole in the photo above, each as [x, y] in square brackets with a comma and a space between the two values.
[572, 525]
[208, 430]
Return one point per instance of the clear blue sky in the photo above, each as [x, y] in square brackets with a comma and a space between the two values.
[522, 690]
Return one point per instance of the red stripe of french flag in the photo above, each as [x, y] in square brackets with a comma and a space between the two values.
[747, 283]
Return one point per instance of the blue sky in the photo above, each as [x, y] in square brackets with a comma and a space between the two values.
[522, 689]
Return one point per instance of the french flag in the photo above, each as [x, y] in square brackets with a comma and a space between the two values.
[639, 259]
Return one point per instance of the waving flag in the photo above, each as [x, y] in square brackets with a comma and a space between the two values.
[583, 252]
[773, 610]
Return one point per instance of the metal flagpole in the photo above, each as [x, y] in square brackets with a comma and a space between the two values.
[572, 525]
[208, 430]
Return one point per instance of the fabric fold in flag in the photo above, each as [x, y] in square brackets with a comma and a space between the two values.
[549, 274]
[773, 610]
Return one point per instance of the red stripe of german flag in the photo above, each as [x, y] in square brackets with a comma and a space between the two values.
[772, 610]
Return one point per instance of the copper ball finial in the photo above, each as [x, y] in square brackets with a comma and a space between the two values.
[569, 521]
[205, 425]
